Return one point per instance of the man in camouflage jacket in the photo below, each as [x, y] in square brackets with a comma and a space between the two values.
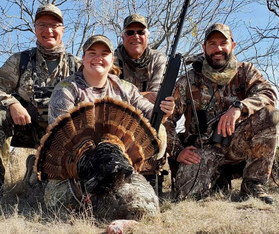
[141, 66]
[238, 122]
[23, 105]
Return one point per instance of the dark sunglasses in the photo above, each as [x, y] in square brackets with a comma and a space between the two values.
[132, 32]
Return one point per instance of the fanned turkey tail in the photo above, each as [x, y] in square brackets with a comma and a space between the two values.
[97, 143]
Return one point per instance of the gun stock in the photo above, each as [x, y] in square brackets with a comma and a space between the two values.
[170, 74]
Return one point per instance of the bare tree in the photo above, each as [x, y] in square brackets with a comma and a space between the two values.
[273, 6]
[87, 17]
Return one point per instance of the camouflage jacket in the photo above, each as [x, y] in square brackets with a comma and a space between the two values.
[155, 71]
[256, 94]
[10, 82]
[75, 89]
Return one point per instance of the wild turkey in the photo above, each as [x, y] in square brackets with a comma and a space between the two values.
[100, 148]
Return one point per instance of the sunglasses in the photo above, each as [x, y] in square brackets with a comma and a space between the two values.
[132, 32]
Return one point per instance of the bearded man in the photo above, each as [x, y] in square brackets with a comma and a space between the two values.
[230, 119]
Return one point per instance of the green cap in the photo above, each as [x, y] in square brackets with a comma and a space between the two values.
[134, 18]
[97, 38]
[222, 28]
[49, 9]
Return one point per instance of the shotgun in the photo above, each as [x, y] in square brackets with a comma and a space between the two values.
[171, 72]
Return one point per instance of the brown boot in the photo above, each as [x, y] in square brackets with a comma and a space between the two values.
[30, 176]
[255, 189]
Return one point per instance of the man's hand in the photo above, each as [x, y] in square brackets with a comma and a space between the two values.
[167, 106]
[227, 121]
[19, 114]
[188, 156]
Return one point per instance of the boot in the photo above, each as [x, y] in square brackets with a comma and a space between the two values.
[227, 174]
[30, 176]
[255, 189]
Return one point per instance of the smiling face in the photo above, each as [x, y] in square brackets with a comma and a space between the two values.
[49, 37]
[218, 50]
[135, 44]
[97, 62]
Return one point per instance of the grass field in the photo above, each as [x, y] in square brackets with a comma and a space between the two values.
[22, 211]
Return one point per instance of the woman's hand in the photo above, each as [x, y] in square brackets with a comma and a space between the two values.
[167, 106]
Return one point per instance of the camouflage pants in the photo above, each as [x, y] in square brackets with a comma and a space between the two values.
[254, 141]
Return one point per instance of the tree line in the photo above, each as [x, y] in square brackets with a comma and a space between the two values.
[258, 44]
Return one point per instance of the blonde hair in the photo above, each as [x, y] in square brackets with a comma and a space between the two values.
[115, 70]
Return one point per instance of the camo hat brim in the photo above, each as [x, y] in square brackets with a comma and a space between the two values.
[134, 18]
[49, 9]
[97, 38]
[222, 28]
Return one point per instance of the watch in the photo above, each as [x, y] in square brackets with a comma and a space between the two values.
[238, 104]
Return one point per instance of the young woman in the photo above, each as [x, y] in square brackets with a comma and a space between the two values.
[97, 79]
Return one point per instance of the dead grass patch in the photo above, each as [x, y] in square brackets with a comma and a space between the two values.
[22, 213]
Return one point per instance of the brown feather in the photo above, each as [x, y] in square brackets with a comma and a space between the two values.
[88, 124]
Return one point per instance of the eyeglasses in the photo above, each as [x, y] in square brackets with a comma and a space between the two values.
[132, 32]
[43, 26]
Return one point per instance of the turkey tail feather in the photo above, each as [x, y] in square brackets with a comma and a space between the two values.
[84, 127]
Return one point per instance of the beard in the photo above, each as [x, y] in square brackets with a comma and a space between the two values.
[218, 64]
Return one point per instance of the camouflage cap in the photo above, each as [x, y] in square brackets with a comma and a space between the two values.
[134, 18]
[97, 38]
[49, 9]
[222, 28]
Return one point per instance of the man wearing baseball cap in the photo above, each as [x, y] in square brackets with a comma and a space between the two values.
[49, 9]
[222, 28]
[237, 121]
[140, 65]
[30, 77]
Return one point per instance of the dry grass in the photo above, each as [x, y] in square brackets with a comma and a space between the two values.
[22, 213]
